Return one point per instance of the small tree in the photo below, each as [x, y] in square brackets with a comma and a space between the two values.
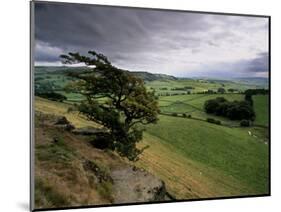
[221, 90]
[116, 99]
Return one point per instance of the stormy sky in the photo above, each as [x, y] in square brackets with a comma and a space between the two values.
[177, 43]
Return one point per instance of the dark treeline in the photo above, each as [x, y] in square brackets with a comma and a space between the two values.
[182, 89]
[256, 91]
[235, 110]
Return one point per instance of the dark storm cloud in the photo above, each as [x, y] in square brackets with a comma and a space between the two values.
[176, 43]
[118, 32]
[259, 64]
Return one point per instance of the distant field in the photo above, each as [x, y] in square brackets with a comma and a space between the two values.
[72, 97]
[167, 86]
[198, 100]
[58, 80]
[193, 104]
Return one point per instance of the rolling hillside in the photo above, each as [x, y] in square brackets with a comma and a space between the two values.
[195, 159]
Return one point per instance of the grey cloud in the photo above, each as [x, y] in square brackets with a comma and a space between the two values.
[249, 67]
[140, 39]
[114, 30]
[46, 53]
[259, 64]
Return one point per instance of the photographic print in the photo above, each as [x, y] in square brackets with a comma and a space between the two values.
[136, 105]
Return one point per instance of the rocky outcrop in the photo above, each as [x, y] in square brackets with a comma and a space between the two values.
[132, 184]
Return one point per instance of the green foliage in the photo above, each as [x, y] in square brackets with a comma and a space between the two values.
[256, 91]
[126, 103]
[221, 90]
[215, 105]
[102, 141]
[236, 110]
[249, 99]
[231, 90]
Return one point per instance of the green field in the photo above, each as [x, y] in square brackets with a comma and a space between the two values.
[198, 85]
[193, 104]
[261, 106]
[230, 150]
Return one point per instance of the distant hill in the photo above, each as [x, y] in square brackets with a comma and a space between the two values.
[57, 69]
[259, 81]
[146, 76]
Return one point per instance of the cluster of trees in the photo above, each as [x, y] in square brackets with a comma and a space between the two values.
[183, 88]
[221, 90]
[173, 94]
[126, 103]
[235, 110]
[231, 90]
[256, 91]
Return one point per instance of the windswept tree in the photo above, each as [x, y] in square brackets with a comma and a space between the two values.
[114, 98]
